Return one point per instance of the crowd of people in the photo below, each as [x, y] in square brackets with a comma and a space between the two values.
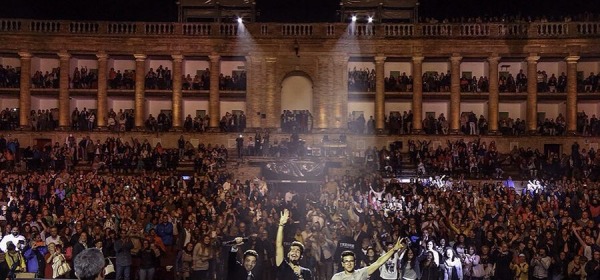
[440, 82]
[296, 121]
[9, 76]
[233, 122]
[84, 79]
[437, 226]
[509, 18]
[361, 80]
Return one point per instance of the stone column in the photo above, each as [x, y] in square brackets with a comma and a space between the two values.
[63, 92]
[140, 87]
[572, 94]
[379, 94]
[214, 106]
[272, 101]
[532, 94]
[102, 90]
[493, 95]
[25, 90]
[454, 94]
[177, 94]
[340, 82]
[322, 115]
[253, 92]
[417, 98]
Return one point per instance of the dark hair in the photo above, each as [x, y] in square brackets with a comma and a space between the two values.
[89, 264]
[348, 253]
[299, 245]
[10, 246]
[250, 253]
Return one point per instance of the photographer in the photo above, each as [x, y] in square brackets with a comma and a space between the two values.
[34, 255]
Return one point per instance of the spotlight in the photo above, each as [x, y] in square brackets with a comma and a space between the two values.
[240, 20]
[353, 18]
[370, 19]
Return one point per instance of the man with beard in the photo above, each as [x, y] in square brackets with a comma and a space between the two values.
[245, 270]
[289, 268]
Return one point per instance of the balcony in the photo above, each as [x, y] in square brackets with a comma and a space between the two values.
[493, 30]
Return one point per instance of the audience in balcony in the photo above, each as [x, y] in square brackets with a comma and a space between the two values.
[10, 77]
[584, 17]
[551, 127]
[397, 123]
[237, 81]
[440, 82]
[9, 119]
[163, 122]
[592, 83]
[197, 124]
[44, 119]
[233, 122]
[361, 80]
[358, 124]
[47, 79]
[160, 79]
[402, 83]
[83, 120]
[296, 121]
[84, 79]
[118, 80]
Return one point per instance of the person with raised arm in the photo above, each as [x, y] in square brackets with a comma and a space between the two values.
[245, 269]
[289, 268]
[349, 263]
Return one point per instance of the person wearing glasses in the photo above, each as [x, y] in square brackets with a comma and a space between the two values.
[349, 263]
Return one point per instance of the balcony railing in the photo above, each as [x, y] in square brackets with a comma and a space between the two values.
[495, 30]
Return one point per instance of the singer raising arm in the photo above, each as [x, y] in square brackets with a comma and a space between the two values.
[279, 254]
[400, 244]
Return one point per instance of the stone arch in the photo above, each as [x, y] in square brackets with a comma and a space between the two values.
[297, 91]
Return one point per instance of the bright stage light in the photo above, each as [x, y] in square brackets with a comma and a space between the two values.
[370, 19]
[240, 20]
[353, 18]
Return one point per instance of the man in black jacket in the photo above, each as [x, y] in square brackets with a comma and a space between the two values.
[245, 270]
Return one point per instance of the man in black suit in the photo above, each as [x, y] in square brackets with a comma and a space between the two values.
[244, 270]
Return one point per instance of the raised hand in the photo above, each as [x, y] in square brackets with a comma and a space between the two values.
[285, 215]
[401, 243]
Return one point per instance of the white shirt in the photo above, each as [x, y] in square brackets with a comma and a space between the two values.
[389, 270]
[359, 274]
[11, 238]
[51, 239]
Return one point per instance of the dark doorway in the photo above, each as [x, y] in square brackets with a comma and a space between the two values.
[552, 148]
[40, 143]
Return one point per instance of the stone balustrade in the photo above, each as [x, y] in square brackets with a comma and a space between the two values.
[308, 30]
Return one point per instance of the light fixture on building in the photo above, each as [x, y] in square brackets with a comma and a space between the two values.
[353, 18]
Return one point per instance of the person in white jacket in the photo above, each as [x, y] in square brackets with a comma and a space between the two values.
[540, 264]
[452, 267]
[15, 238]
[471, 266]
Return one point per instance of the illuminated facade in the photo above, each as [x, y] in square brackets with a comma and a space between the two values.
[319, 56]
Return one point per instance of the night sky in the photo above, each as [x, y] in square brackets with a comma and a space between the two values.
[278, 10]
